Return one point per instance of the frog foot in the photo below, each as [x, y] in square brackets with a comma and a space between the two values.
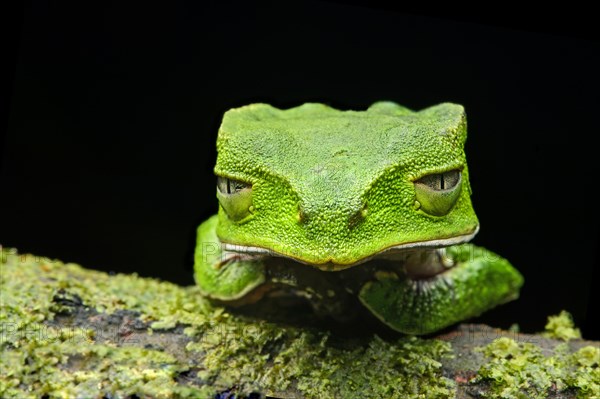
[463, 282]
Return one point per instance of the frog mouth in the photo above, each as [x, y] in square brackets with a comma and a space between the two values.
[397, 251]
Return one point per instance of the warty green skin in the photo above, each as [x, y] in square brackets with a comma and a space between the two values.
[338, 189]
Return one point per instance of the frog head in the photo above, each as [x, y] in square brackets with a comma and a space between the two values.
[334, 188]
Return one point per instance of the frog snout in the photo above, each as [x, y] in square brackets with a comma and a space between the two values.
[332, 217]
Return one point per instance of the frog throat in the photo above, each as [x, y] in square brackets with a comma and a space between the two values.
[332, 266]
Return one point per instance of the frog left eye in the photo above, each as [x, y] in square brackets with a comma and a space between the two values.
[229, 186]
[235, 197]
[438, 192]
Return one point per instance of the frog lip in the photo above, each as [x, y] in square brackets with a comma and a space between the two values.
[330, 265]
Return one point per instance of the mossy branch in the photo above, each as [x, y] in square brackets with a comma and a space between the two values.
[68, 332]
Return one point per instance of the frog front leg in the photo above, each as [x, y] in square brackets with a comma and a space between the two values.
[226, 276]
[478, 281]
[235, 278]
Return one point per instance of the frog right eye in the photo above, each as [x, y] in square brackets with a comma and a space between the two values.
[438, 192]
[235, 197]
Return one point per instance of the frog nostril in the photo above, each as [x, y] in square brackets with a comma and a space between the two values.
[301, 216]
[358, 217]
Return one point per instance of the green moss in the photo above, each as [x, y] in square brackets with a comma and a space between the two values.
[224, 352]
[320, 370]
[366, 372]
[521, 370]
[561, 327]
[37, 357]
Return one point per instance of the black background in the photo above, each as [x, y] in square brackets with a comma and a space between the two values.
[114, 111]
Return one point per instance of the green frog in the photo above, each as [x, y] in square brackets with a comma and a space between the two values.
[341, 207]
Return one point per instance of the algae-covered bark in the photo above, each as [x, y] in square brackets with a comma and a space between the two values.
[68, 332]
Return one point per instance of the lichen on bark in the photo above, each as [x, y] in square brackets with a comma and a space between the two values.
[69, 332]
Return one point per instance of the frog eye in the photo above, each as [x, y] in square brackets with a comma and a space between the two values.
[235, 197]
[437, 193]
[229, 186]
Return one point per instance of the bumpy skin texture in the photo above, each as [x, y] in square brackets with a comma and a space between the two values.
[333, 189]
[336, 186]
